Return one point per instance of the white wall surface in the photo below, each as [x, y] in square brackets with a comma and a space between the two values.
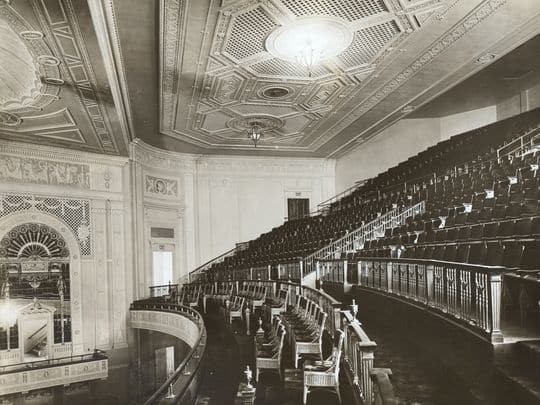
[402, 140]
[218, 202]
[459, 123]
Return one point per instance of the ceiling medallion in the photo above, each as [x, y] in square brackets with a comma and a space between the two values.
[9, 120]
[266, 122]
[310, 40]
[275, 92]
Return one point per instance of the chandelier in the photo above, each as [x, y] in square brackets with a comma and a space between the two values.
[254, 132]
[309, 41]
[310, 57]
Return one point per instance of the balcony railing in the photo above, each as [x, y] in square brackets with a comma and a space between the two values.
[55, 372]
[466, 293]
[354, 240]
[163, 290]
[186, 377]
[359, 349]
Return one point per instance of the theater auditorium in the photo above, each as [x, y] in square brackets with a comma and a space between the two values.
[269, 202]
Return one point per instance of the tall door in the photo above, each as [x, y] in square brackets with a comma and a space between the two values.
[297, 207]
[162, 263]
[164, 364]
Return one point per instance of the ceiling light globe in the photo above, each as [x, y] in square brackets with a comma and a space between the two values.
[310, 40]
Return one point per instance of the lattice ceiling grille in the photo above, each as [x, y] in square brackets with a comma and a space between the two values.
[249, 33]
[367, 43]
[350, 10]
[278, 67]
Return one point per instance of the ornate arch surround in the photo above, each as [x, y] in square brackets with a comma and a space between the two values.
[11, 221]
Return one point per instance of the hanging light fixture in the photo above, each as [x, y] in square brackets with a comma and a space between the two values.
[309, 41]
[310, 57]
[255, 132]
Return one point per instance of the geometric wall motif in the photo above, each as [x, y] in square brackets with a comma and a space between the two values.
[31, 240]
[74, 212]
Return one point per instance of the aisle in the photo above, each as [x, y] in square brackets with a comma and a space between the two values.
[223, 364]
[417, 378]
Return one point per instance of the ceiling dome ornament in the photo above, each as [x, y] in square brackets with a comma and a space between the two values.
[25, 59]
[19, 75]
[309, 41]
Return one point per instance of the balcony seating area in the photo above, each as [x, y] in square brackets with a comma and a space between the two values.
[473, 193]
[298, 349]
[488, 215]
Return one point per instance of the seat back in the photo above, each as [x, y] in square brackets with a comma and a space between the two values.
[338, 353]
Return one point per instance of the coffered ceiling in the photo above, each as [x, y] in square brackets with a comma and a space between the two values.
[53, 85]
[192, 75]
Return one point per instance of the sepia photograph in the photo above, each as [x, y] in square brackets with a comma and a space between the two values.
[269, 202]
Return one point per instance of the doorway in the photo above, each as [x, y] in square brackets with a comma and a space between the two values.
[297, 208]
[162, 264]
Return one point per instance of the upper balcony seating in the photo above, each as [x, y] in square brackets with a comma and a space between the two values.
[254, 294]
[278, 304]
[462, 180]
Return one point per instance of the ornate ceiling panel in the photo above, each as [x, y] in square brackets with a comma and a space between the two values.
[53, 86]
[219, 75]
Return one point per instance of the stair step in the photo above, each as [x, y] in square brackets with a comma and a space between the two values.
[522, 387]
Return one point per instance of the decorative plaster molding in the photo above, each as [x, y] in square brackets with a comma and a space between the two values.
[161, 186]
[41, 53]
[65, 374]
[170, 323]
[483, 11]
[29, 170]
[59, 154]
[104, 19]
[83, 79]
[150, 156]
[171, 39]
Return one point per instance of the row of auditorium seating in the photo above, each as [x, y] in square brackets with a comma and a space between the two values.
[461, 187]
[509, 228]
[511, 254]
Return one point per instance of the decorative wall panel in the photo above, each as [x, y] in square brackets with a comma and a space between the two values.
[161, 186]
[74, 212]
[28, 170]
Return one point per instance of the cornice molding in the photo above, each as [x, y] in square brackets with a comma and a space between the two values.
[104, 20]
[154, 158]
[60, 154]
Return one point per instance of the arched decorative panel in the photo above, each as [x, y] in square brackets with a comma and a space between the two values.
[74, 212]
[33, 240]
